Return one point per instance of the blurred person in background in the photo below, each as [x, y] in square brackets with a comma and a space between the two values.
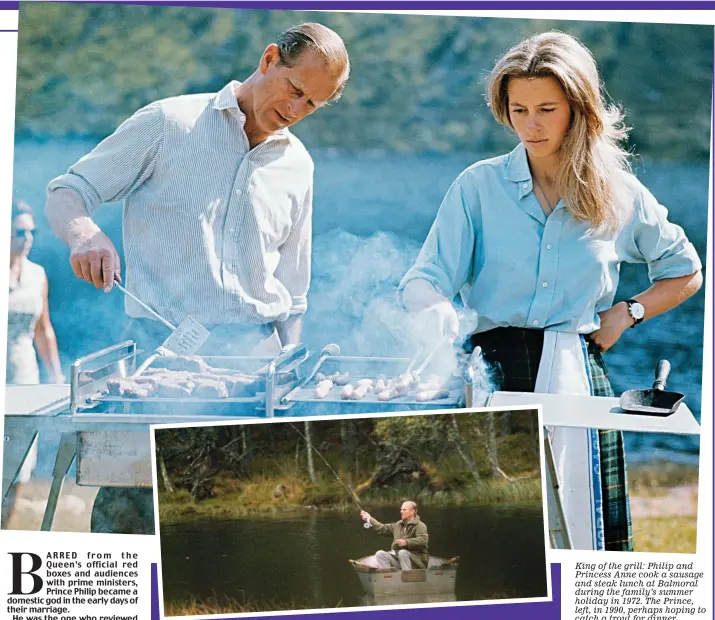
[29, 329]
[533, 241]
[217, 219]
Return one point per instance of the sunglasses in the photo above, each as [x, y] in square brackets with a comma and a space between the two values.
[24, 232]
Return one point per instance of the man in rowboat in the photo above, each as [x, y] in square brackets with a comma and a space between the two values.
[409, 539]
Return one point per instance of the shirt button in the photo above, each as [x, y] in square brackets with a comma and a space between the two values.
[525, 185]
[548, 246]
[535, 323]
[544, 284]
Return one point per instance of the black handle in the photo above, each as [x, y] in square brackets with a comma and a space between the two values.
[661, 375]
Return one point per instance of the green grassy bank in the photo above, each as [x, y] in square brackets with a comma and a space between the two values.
[267, 496]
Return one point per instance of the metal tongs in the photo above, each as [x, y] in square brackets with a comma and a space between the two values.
[327, 351]
[413, 376]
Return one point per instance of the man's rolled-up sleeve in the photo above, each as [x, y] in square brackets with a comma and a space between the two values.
[293, 269]
[446, 257]
[120, 163]
[659, 243]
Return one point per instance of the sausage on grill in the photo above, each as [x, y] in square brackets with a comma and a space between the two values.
[360, 391]
[434, 394]
[323, 388]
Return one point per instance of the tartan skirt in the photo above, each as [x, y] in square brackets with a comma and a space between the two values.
[513, 355]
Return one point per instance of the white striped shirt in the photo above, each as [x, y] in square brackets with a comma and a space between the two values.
[211, 228]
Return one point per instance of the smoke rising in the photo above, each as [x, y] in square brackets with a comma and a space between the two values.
[353, 302]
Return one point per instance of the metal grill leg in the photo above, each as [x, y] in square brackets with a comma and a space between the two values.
[558, 527]
[65, 455]
[17, 445]
[18, 442]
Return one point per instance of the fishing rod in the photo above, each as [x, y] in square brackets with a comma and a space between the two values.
[367, 524]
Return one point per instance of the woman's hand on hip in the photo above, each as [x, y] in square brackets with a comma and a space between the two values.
[614, 322]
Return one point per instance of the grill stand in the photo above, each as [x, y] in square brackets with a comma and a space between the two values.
[559, 534]
[65, 455]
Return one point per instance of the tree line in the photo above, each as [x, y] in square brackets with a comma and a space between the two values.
[417, 81]
[368, 453]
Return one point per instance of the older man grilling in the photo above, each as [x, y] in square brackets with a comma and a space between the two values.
[409, 539]
[217, 215]
[217, 200]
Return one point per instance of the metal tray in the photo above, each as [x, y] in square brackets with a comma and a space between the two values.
[90, 374]
[368, 368]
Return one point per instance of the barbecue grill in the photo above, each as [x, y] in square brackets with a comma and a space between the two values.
[283, 385]
[107, 434]
[91, 375]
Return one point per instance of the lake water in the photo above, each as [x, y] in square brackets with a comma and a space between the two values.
[371, 214]
[303, 561]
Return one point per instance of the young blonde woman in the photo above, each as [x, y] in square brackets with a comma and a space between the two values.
[533, 240]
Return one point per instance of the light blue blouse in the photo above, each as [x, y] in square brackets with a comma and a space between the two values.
[492, 243]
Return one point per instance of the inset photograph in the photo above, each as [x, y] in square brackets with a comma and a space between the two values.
[396, 509]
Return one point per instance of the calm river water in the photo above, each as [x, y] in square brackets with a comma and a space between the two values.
[303, 561]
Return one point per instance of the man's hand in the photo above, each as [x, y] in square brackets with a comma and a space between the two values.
[401, 542]
[437, 321]
[365, 516]
[614, 322]
[95, 260]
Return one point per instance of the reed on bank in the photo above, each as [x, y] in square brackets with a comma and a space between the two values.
[268, 496]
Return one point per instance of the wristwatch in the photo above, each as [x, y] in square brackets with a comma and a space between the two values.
[636, 310]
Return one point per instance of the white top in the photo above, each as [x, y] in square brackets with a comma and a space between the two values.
[212, 228]
[25, 303]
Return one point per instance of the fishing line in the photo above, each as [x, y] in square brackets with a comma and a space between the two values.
[350, 492]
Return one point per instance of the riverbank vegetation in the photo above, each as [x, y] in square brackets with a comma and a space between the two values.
[266, 469]
[217, 604]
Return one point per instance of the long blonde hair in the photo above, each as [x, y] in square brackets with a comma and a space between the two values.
[591, 156]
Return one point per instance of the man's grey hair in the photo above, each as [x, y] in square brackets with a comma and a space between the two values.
[412, 505]
[321, 39]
